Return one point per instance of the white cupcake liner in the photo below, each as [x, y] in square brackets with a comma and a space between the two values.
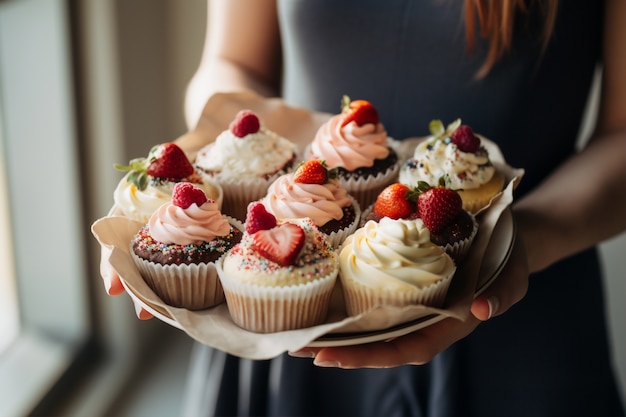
[263, 309]
[360, 298]
[194, 286]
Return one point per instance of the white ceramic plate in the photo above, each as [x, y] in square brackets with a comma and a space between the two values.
[497, 254]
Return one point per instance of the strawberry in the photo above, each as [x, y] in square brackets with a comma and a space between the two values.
[245, 122]
[465, 139]
[281, 244]
[437, 206]
[258, 218]
[165, 161]
[396, 201]
[185, 194]
[168, 161]
[314, 171]
[359, 111]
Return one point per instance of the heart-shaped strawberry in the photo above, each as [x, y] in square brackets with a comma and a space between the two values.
[281, 244]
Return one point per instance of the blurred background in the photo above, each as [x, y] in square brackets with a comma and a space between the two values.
[85, 84]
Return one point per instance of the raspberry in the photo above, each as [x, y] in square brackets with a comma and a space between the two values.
[258, 218]
[185, 194]
[465, 139]
[245, 123]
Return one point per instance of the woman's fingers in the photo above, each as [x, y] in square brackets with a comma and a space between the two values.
[509, 288]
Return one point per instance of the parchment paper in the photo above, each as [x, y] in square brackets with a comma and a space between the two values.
[214, 326]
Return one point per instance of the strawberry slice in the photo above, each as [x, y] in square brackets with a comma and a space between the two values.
[314, 171]
[281, 244]
[359, 111]
[168, 161]
[258, 218]
[245, 123]
[185, 194]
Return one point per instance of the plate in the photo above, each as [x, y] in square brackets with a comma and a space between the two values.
[497, 253]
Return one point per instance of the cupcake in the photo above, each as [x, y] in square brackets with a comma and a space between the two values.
[355, 142]
[455, 152]
[441, 210]
[244, 160]
[313, 191]
[150, 181]
[176, 250]
[393, 263]
[280, 276]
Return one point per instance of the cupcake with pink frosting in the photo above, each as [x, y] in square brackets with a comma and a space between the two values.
[313, 191]
[356, 143]
[176, 251]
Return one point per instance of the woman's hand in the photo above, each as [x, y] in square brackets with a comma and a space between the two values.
[113, 284]
[423, 345]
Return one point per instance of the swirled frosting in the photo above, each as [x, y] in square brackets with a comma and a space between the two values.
[140, 204]
[256, 154]
[190, 226]
[394, 255]
[350, 146]
[432, 160]
[322, 203]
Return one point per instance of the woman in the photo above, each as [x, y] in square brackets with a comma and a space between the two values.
[519, 72]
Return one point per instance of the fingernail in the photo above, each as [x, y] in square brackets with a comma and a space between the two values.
[302, 354]
[327, 364]
[493, 306]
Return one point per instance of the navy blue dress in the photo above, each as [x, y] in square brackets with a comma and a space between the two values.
[548, 355]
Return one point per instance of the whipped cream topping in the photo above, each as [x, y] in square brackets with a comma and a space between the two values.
[394, 255]
[256, 154]
[431, 160]
[322, 203]
[190, 226]
[350, 146]
[140, 204]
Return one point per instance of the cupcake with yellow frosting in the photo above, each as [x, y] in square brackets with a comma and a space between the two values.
[456, 153]
[393, 263]
[149, 182]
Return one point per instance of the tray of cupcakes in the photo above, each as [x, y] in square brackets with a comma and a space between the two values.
[328, 233]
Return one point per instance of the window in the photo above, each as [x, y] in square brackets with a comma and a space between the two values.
[40, 169]
[9, 316]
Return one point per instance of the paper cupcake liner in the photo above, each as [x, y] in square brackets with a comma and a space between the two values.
[338, 237]
[194, 286]
[360, 298]
[458, 250]
[273, 309]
